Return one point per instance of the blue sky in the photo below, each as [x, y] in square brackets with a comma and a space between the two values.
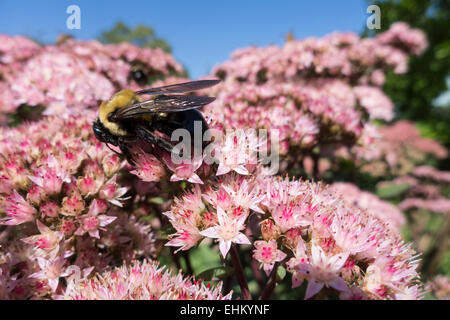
[201, 33]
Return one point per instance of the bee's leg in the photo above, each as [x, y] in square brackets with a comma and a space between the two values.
[168, 127]
[125, 151]
[152, 138]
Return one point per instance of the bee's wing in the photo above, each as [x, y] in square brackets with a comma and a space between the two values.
[180, 87]
[162, 103]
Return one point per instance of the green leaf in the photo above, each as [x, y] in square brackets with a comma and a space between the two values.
[217, 272]
[141, 35]
[157, 200]
[204, 257]
[392, 191]
[281, 273]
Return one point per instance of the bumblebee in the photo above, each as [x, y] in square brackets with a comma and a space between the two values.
[125, 119]
[139, 73]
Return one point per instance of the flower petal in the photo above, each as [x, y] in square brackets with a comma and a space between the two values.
[210, 232]
[313, 288]
[339, 284]
[222, 169]
[224, 247]
[194, 178]
[241, 239]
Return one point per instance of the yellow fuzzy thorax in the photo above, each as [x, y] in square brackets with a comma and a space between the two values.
[119, 100]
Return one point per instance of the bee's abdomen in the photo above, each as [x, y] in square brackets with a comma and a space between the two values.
[188, 118]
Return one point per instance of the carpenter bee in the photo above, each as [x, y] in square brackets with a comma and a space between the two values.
[139, 73]
[125, 119]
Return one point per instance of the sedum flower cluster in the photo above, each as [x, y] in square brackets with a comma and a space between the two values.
[337, 247]
[142, 281]
[440, 287]
[316, 92]
[74, 74]
[396, 150]
[424, 188]
[63, 207]
[384, 210]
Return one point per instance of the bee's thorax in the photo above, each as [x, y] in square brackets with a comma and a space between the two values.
[119, 100]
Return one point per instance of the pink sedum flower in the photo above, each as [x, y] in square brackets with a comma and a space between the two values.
[227, 231]
[51, 270]
[148, 167]
[236, 151]
[185, 170]
[267, 253]
[186, 237]
[18, 210]
[47, 241]
[51, 176]
[92, 222]
[111, 192]
[90, 185]
[323, 270]
[49, 209]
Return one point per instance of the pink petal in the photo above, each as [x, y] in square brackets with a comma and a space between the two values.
[297, 280]
[38, 181]
[53, 283]
[281, 255]
[317, 254]
[338, 261]
[268, 268]
[41, 262]
[93, 210]
[303, 268]
[222, 169]
[87, 271]
[94, 234]
[175, 178]
[224, 247]
[195, 179]
[79, 232]
[256, 209]
[175, 242]
[210, 232]
[42, 227]
[241, 239]
[301, 248]
[116, 202]
[37, 275]
[105, 220]
[221, 216]
[339, 284]
[241, 170]
[313, 288]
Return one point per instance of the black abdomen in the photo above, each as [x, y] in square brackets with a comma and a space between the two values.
[181, 120]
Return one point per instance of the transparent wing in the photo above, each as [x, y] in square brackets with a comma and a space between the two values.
[180, 87]
[162, 103]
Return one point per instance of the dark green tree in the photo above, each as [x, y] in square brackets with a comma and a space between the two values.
[141, 36]
[414, 92]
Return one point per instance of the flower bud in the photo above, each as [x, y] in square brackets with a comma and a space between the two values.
[291, 238]
[269, 230]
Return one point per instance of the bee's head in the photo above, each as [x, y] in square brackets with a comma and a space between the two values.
[139, 74]
[99, 131]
